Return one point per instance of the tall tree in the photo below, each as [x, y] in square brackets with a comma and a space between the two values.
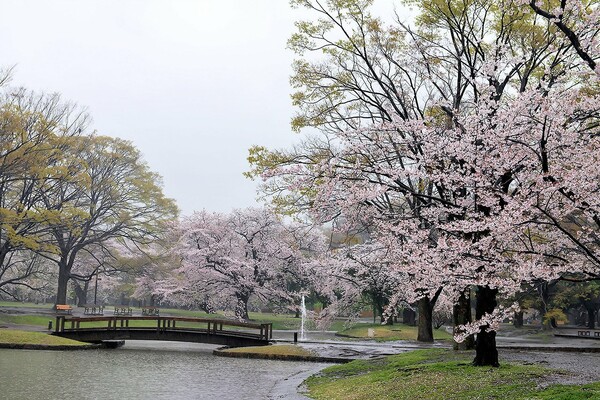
[111, 194]
[427, 138]
[32, 130]
[248, 253]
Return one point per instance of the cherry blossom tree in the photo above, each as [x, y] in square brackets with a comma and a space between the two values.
[352, 277]
[246, 254]
[473, 180]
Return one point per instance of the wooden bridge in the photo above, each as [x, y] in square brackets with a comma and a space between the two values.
[181, 329]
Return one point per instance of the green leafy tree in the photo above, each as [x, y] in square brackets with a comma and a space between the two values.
[32, 130]
[579, 294]
[111, 195]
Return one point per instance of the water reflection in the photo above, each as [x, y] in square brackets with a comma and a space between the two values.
[139, 370]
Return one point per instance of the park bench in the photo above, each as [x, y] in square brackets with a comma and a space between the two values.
[123, 310]
[150, 310]
[64, 308]
[93, 309]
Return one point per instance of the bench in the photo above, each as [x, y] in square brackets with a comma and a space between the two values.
[93, 309]
[123, 310]
[64, 308]
[150, 310]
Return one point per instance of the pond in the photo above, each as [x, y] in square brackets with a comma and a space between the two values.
[145, 369]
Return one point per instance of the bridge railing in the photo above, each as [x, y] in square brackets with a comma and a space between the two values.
[164, 323]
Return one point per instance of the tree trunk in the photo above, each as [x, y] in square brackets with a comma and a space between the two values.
[461, 314]
[63, 281]
[544, 292]
[241, 308]
[591, 317]
[379, 303]
[518, 319]
[486, 353]
[409, 317]
[81, 293]
[425, 325]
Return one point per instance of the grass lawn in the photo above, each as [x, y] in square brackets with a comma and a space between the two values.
[25, 305]
[10, 336]
[279, 321]
[438, 374]
[38, 320]
[278, 349]
[390, 332]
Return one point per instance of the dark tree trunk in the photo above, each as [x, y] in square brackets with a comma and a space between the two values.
[425, 324]
[409, 317]
[591, 312]
[461, 314]
[241, 308]
[544, 292]
[81, 293]
[581, 319]
[379, 304]
[518, 319]
[486, 353]
[63, 281]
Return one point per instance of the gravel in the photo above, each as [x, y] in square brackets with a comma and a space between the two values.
[571, 368]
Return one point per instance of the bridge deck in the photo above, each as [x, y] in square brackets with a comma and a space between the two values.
[202, 330]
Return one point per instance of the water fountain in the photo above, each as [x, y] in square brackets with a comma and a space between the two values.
[303, 315]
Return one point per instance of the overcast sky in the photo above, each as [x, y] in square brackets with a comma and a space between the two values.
[192, 83]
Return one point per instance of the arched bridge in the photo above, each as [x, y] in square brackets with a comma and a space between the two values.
[181, 329]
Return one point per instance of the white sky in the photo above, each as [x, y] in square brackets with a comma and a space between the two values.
[193, 83]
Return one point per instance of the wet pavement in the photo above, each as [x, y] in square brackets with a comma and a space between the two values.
[327, 344]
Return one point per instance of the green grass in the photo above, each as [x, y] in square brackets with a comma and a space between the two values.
[390, 332]
[278, 349]
[37, 320]
[17, 304]
[9, 336]
[279, 321]
[438, 374]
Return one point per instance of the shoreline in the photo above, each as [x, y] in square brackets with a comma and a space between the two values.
[222, 352]
[31, 346]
